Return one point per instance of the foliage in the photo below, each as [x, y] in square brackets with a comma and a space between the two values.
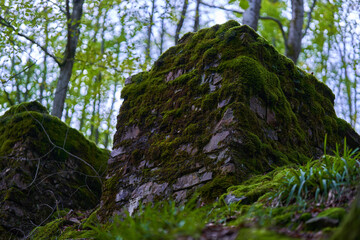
[105, 56]
[323, 180]
[163, 220]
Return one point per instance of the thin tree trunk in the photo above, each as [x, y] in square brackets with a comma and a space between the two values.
[83, 111]
[252, 14]
[163, 30]
[92, 121]
[197, 16]
[44, 73]
[98, 117]
[99, 78]
[107, 136]
[66, 66]
[181, 21]
[28, 79]
[149, 32]
[295, 30]
[67, 114]
[17, 84]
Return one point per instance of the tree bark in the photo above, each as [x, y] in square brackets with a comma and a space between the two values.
[252, 14]
[197, 16]
[293, 48]
[149, 32]
[66, 65]
[181, 21]
[44, 72]
[162, 29]
[108, 121]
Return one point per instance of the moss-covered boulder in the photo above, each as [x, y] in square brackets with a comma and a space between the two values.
[45, 166]
[218, 107]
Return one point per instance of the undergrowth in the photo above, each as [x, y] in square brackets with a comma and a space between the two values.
[322, 180]
[283, 198]
[163, 220]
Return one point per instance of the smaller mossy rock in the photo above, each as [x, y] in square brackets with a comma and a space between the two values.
[45, 166]
[305, 216]
[318, 223]
[257, 188]
[349, 228]
[214, 110]
[26, 107]
[334, 213]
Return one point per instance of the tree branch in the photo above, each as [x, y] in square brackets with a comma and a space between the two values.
[222, 8]
[7, 24]
[309, 17]
[58, 5]
[17, 74]
[277, 21]
[8, 98]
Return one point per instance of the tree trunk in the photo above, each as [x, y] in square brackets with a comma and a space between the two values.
[293, 48]
[17, 82]
[181, 21]
[66, 65]
[108, 121]
[61, 88]
[44, 72]
[162, 28]
[83, 111]
[252, 14]
[197, 16]
[149, 32]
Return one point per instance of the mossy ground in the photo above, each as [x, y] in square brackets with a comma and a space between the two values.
[260, 215]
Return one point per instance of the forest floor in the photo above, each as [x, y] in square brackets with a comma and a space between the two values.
[292, 202]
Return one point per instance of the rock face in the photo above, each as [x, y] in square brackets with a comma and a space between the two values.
[45, 167]
[220, 106]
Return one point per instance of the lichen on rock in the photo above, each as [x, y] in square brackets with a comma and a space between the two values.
[45, 166]
[217, 108]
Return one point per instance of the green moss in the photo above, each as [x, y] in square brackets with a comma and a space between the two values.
[49, 231]
[283, 219]
[226, 26]
[26, 107]
[334, 213]
[91, 221]
[305, 216]
[343, 126]
[349, 228]
[250, 72]
[263, 234]
[212, 190]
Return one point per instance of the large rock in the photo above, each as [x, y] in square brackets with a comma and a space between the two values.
[45, 167]
[220, 106]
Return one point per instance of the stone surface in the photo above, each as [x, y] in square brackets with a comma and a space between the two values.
[45, 166]
[218, 107]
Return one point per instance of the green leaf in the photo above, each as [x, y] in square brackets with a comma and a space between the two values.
[244, 4]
